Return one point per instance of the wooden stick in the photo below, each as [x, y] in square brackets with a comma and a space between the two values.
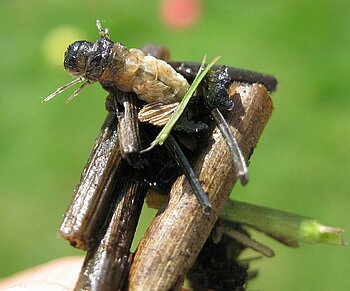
[105, 265]
[189, 69]
[92, 196]
[128, 127]
[177, 154]
[177, 234]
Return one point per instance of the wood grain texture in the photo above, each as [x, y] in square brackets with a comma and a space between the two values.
[105, 265]
[93, 196]
[181, 227]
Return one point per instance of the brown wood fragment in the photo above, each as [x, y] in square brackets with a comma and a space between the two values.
[177, 234]
[189, 69]
[92, 197]
[245, 240]
[105, 265]
[128, 128]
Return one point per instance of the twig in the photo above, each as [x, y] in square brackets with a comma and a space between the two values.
[245, 240]
[93, 197]
[176, 152]
[177, 234]
[236, 155]
[105, 265]
[188, 69]
[128, 127]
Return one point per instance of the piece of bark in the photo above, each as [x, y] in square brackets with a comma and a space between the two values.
[177, 234]
[93, 197]
[105, 265]
[128, 128]
[190, 69]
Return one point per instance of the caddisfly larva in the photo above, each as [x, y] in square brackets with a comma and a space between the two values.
[130, 70]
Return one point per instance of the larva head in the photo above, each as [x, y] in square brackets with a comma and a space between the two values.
[86, 61]
[76, 61]
[77, 56]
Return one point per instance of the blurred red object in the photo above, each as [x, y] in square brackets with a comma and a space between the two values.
[180, 13]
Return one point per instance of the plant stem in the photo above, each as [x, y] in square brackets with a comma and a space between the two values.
[282, 225]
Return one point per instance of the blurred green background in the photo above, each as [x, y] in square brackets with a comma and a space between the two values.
[301, 164]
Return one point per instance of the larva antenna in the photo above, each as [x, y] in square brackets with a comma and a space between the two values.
[77, 91]
[64, 88]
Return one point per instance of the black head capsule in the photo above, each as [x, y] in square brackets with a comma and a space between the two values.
[87, 59]
[77, 56]
[76, 59]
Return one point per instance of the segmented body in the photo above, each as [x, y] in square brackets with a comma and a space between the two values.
[153, 80]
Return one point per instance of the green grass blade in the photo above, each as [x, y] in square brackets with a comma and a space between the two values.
[162, 136]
